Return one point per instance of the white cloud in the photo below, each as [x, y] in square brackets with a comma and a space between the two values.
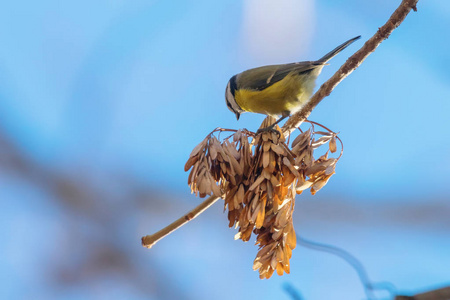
[277, 31]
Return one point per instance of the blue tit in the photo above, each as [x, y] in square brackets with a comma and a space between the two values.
[276, 90]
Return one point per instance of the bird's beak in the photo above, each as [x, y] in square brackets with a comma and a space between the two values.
[238, 115]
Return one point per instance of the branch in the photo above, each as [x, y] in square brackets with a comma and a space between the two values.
[294, 121]
[351, 64]
[149, 240]
[439, 294]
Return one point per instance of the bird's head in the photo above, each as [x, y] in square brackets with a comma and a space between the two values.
[230, 97]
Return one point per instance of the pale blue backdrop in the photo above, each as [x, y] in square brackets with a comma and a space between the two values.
[104, 100]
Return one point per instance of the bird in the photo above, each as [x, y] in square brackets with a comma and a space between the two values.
[276, 90]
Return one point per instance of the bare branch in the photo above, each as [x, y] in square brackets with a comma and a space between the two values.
[351, 64]
[149, 240]
[439, 294]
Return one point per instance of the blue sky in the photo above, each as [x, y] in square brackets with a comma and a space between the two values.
[110, 87]
[84, 82]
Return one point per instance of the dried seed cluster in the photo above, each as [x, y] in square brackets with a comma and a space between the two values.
[258, 181]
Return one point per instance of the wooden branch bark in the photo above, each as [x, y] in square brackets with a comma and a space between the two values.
[149, 240]
[439, 294]
[351, 64]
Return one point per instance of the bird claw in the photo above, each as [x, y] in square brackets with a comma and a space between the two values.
[269, 129]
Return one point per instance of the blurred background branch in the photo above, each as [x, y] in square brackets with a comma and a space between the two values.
[89, 250]
[437, 294]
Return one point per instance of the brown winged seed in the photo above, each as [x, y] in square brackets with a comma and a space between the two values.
[258, 182]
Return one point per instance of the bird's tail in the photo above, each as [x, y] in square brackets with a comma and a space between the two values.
[338, 49]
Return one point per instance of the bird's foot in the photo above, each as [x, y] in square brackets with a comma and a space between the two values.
[270, 128]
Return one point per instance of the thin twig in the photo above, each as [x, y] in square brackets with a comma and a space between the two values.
[351, 64]
[292, 291]
[369, 287]
[149, 240]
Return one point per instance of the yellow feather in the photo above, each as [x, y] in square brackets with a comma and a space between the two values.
[285, 96]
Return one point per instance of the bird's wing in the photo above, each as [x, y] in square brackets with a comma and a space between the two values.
[263, 77]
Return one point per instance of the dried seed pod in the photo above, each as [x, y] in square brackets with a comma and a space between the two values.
[321, 141]
[258, 181]
[302, 139]
[332, 145]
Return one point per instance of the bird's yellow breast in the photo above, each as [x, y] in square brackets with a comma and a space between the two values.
[286, 95]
